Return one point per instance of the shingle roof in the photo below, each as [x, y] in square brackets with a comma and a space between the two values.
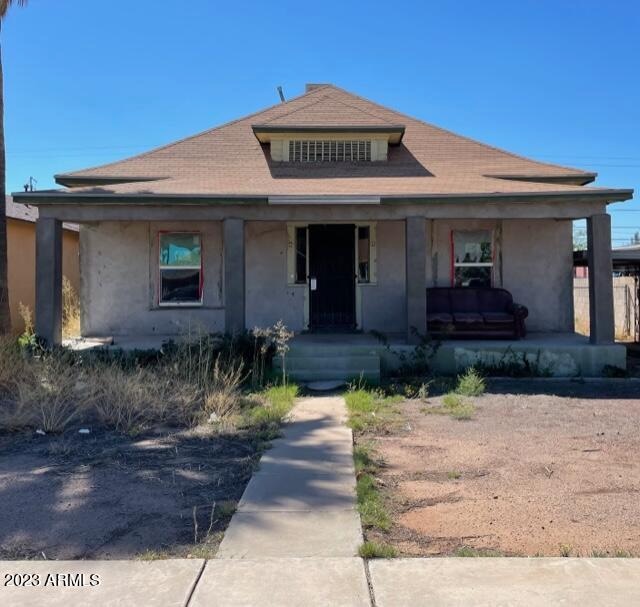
[26, 212]
[228, 160]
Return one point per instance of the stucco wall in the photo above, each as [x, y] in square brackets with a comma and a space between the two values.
[533, 259]
[268, 297]
[21, 251]
[537, 267]
[119, 280]
[383, 304]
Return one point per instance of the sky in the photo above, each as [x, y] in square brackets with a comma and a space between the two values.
[556, 80]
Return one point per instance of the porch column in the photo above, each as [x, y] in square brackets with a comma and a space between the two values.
[49, 280]
[600, 279]
[416, 285]
[234, 288]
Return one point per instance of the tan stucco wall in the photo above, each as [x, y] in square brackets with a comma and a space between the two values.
[21, 246]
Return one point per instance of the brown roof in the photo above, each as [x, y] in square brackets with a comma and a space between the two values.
[27, 212]
[229, 160]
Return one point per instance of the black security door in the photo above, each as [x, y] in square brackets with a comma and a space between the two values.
[332, 277]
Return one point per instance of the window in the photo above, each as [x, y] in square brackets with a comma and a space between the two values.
[301, 255]
[329, 151]
[180, 269]
[472, 258]
[364, 254]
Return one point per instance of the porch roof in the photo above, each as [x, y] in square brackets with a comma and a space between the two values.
[228, 161]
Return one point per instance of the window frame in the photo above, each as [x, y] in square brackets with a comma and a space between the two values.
[474, 264]
[161, 267]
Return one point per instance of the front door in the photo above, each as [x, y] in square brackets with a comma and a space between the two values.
[332, 277]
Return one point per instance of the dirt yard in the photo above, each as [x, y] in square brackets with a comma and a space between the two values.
[529, 474]
[108, 496]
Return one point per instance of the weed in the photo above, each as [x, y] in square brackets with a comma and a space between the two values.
[363, 460]
[370, 504]
[613, 371]
[468, 551]
[377, 550]
[566, 550]
[372, 411]
[454, 475]
[471, 383]
[457, 407]
[515, 364]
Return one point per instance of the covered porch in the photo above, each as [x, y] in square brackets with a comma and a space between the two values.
[249, 280]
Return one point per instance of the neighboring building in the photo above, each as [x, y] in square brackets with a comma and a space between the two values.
[329, 211]
[21, 248]
[626, 292]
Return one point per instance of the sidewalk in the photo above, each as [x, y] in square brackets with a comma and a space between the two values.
[329, 582]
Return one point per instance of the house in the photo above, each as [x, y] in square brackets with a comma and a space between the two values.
[332, 213]
[21, 256]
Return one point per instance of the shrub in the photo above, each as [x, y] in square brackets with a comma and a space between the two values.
[471, 383]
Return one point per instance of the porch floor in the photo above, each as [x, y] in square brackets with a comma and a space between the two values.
[348, 355]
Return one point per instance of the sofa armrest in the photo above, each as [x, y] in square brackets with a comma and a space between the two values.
[519, 311]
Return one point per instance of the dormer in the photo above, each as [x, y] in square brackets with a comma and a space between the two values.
[349, 143]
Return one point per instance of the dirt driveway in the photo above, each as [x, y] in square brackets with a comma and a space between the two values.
[530, 474]
[106, 495]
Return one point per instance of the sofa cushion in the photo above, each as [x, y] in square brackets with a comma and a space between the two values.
[442, 317]
[464, 300]
[494, 300]
[498, 317]
[438, 301]
[467, 317]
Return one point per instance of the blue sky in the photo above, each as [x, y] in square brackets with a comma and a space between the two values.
[90, 82]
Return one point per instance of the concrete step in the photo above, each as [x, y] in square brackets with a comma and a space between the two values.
[329, 350]
[347, 363]
[333, 374]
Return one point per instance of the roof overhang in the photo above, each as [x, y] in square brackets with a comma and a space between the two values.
[53, 197]
[568, 179]
[393, 133]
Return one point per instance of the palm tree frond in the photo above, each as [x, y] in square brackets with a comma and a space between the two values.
[6, 4]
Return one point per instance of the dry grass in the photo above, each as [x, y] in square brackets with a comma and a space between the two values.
[193, 382]
[44, 395]
[70, 310]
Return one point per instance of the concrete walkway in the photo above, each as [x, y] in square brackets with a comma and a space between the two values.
[302, 501]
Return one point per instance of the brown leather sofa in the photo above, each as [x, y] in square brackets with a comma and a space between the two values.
[468, 312]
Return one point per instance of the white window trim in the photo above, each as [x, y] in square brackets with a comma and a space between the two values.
[161, 267]
[477, 264]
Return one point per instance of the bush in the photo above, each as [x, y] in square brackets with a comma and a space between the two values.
[471, 383]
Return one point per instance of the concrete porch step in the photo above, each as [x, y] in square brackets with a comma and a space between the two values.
[341, 367]
[347, 363]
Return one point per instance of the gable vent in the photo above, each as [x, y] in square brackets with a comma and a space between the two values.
[329, 151]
